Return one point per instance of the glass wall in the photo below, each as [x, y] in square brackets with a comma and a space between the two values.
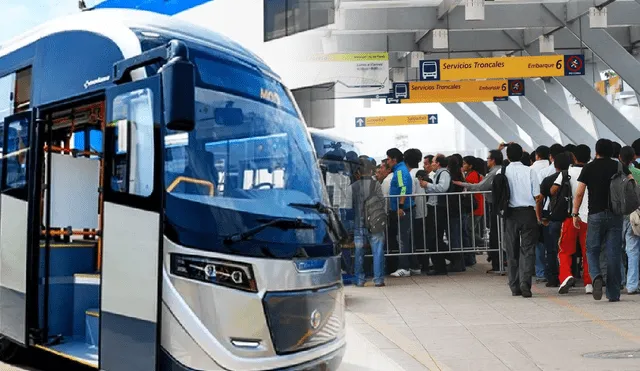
[288, 17]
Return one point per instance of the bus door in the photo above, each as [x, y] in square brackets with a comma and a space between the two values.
[132, 236]
[14, 226]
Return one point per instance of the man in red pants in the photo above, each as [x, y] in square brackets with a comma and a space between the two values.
[569, 233]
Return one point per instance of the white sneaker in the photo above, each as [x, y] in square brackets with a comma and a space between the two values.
[401, 273]
[566, 285]
[416, 272]
[588, 289]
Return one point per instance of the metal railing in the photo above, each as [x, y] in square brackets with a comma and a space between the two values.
[443, 223]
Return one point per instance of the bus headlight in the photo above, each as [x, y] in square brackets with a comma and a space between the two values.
[215, 271]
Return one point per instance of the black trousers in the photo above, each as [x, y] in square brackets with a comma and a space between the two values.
[521, 226]
[436, 224]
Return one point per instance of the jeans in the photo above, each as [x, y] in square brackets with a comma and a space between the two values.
[541, 260]
[346, 217]
[472, 236]
[454, 232]
[605, 227]
[376, 241]
[633, 255]
[551, 237]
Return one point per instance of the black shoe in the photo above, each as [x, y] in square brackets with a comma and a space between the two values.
[553, 283]
[436, 273]
[516, 293]
[598, 282]
[380, 284]
[526, 292]
[614, 300]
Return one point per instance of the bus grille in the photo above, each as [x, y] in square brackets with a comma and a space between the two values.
[304, 319]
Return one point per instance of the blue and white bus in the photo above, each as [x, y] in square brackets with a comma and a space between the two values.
[161, 206]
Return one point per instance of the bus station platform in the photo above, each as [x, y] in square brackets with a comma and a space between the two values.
[470, 322]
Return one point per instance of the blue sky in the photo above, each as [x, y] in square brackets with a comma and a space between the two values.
[26, 14]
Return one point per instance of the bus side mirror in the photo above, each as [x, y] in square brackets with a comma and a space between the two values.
[178, 89]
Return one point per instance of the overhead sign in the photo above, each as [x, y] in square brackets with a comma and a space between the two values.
[356, 75]
[610, 86]
[501, 67]
[396, 120]
[458, 91]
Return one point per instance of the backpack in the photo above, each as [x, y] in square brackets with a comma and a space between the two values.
[500, 193]
[560, 204]
[623, 193]
[375, 213]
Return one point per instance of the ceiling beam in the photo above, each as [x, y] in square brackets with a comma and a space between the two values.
[498, 16]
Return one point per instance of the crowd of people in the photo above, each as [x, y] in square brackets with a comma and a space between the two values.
[565, 215]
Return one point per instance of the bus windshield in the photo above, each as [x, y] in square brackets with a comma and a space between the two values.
[248, 162]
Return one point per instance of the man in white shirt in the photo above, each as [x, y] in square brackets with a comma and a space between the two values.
[541, 164]
[542, 159]
[521, 224]
[569, 234]
[384, 177]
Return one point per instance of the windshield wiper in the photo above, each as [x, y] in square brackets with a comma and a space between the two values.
[281, 223]
[317, 206]
[333, 223]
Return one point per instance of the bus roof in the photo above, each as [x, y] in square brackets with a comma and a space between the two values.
[121, 27]
[103, 19]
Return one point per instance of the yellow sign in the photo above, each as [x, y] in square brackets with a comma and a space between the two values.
[352, 57]
[501, 67]
[397, 120]
[461, 91]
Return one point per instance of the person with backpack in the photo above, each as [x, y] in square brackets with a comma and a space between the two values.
[569, 233]
[370, 222]
[604, 224]
[558, 210]
[516, 194]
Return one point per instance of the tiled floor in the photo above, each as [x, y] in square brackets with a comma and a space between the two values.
[470, 321]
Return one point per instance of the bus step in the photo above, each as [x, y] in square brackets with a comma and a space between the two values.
[92, 327]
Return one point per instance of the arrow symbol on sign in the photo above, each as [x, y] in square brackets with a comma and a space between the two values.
[433, 119]
[360, 122]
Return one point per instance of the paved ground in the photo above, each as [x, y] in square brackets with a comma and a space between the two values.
[470, 321]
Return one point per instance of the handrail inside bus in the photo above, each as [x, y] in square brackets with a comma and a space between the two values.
[181, 179]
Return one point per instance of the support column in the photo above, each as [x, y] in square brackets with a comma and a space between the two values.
[600, 108]
[537, 133]
[471, 124]
[596, 104]
[560, 118]
[534, 113]
[610, 51]
[507, 132]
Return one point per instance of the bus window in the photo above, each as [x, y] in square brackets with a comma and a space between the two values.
[15, 152]
[133, 160]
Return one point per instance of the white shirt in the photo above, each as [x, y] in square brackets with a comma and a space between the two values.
[420, 201]
[545, 172]
[523, 184]
[386, 185]
[539, 165]
[574, 173]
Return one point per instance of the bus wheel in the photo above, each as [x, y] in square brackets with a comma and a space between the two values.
[8, 349]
